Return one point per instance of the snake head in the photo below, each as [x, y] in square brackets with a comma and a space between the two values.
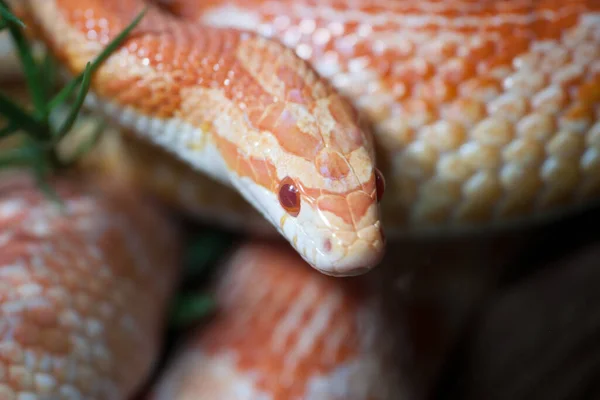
[338, 233]
[324, 189]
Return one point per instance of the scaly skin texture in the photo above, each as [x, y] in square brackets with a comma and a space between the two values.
[484, 113]
[283, 331]
[483, 110]
[244, 110]
[83, 294]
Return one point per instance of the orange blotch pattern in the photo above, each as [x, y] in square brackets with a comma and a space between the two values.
[278, 120]
[350, 208]
[331, 164]
[268, 302]
[75, 288]
[261, 171]
[346, 135]
[297, 90]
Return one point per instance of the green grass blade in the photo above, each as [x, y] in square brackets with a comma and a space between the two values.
[68, 90]
[30, 68]
[9, 17]
[39, 152]
[18, 116]
[85, 86]
[38, 157]
[114, 45]
[50, 72]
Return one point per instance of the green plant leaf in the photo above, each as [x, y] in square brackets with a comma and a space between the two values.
[38, 156]
[9, 17]
[66, 92]
[50, 72]
[18, 116]
[39, 149]
[85, 85]
[30, 69]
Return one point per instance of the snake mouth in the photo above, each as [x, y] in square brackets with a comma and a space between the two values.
[354, 266]
[345, 274]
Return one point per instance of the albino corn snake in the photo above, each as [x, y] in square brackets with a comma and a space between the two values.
[471, 125]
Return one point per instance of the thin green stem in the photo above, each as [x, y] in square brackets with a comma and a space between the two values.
[17, 115]
[39, 149]
[30, 69]
[68, 124]
[49, 70]
[9, 17]
[67, 91]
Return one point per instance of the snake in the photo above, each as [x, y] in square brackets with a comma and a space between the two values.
[313, 336]
[343, 124]
[347, 124]
[75, 288]
[75, 321]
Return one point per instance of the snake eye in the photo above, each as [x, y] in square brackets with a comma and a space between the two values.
[289, 198]
[379, 184]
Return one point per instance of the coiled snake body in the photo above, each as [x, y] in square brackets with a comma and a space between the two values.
[477, 113]
[482, 112]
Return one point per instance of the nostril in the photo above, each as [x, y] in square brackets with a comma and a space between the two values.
[327, 245]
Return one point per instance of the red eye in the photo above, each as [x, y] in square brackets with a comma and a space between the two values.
[289, 198]
[379, 184]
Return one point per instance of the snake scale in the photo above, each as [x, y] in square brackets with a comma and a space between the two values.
[348, 123]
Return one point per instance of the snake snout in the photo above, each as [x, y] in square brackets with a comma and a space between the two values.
[347, 254]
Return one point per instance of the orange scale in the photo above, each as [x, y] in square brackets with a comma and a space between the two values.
[589, 92]
[456, 70]
[435, 91]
